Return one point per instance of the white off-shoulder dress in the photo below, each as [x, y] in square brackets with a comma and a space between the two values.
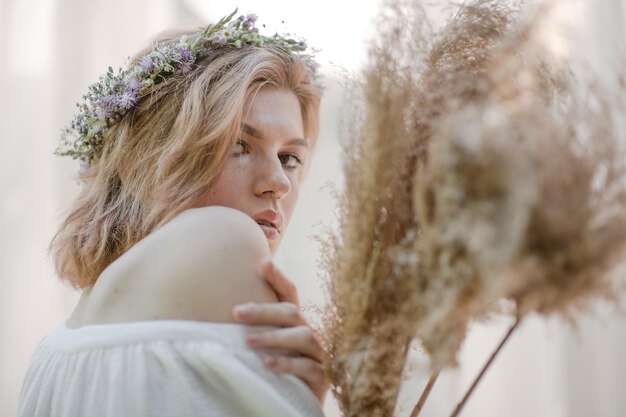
[157, 368]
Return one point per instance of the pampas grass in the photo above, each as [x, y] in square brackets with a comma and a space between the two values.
[368, 322]
[522, 192]
[481, 171]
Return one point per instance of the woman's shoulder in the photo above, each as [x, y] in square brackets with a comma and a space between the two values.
[198, 266]
[202, 225]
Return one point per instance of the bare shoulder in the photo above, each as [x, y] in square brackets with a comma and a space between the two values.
[196, 267]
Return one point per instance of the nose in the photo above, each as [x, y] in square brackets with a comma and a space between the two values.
[272, 180]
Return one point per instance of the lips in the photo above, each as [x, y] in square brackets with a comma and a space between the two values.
[266, 223]
[270, 231]
[270, 222]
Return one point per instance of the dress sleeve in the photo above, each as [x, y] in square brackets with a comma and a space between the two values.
[200, 378]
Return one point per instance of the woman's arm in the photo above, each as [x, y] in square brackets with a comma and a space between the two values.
[294, 335]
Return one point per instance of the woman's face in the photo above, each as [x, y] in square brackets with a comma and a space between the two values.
[262, 176]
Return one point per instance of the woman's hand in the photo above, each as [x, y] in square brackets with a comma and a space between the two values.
[295, 334]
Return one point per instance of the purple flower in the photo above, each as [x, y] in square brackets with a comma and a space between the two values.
[108, 102]
[127, 100]
[146, 63]
[184, 53]
[314, 67]
[132, 84]
[249, 21]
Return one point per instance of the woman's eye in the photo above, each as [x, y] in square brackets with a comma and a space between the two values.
[290, 160]
[240, 147]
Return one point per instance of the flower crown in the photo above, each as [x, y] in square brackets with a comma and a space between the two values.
[115, 94]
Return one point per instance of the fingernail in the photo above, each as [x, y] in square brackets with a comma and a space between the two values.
[242, 311]
[270, 361]
[252, 338]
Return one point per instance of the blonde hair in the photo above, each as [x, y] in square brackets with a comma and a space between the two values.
[161, 156]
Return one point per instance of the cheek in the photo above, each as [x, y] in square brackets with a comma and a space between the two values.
[227, 187]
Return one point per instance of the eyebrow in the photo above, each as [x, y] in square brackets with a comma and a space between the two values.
[249, 130]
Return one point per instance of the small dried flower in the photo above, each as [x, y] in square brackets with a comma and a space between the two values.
[133, 84]
[184, 53]
[127, 100]
[146, 63]
[219, 38]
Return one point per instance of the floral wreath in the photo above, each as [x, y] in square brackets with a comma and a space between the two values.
[116, 93]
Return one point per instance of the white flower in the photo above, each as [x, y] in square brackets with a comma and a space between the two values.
[219, 38]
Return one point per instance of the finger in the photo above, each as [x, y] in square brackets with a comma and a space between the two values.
[284, 288]
[299, 339]
[310, 371]
[281, 314]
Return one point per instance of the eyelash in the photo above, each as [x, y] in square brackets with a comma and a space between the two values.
[294, 156]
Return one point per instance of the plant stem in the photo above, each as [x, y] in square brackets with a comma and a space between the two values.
[425, 393]
[460, 405]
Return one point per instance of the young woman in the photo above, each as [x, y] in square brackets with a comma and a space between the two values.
[192, 163]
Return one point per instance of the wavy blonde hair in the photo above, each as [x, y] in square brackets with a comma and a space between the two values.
[165, 153]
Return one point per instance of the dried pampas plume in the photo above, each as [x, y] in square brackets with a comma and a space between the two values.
[458, 199]
[368, 322]
[521, 193]
[481, 171]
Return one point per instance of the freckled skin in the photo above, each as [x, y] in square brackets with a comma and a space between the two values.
[251, 175]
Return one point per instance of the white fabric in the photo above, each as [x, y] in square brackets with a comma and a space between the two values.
[157, 368]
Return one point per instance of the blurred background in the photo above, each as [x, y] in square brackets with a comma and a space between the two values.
[51, 50]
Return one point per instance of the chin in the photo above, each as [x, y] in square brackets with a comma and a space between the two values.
[273, 247]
